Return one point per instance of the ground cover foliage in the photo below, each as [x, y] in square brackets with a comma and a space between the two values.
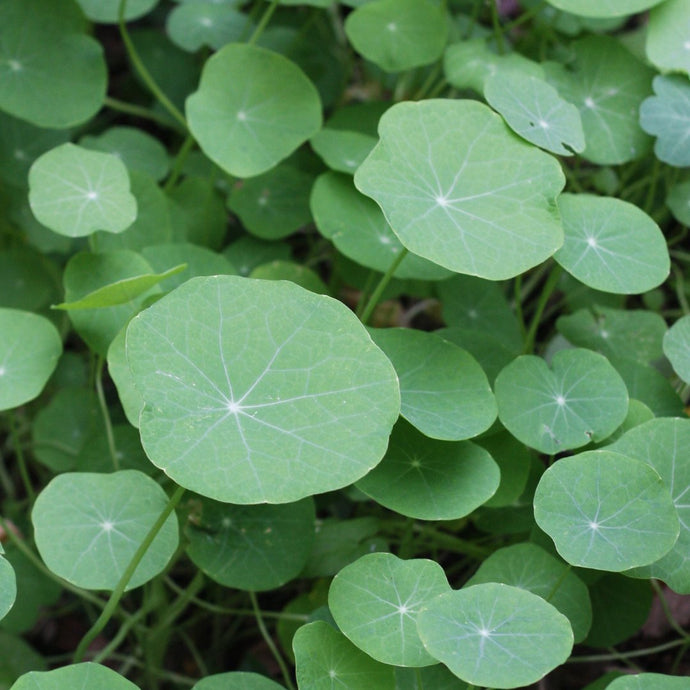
[344, 345]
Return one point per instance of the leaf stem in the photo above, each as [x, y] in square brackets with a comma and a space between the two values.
[263, 22]
[616, 657]
[667, 611]
[106, 414]
[179, 162]
[383, 283]
[119, 590]
[138, 111]
[144, 73]
[498, 30]
[21, 459]
[547, 291]
[270, 643]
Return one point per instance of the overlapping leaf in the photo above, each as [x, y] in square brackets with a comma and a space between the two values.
[667, 44]
[677, 347]
[603, 8]
[85, 675]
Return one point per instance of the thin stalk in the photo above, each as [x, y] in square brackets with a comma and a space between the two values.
[263, 22]
[121, 634]
[667, 612]
[547, 291]
[362, 302]
[428, 82]
[456, 544]
[498, 30]
[144, 73]
[270, 643]
[179, 162]
[559, 582]
[680, 290]
[651, 190]
[119, 590]
[629, 655]
[525, 16]
[106, 414]
[383, 283]
[174, 610]
[517, 288]
[21, 460]
[138, 111]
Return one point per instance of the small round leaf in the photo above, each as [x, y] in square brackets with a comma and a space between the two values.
[29, 350]
[677, 347]
[495, 635]
[253, 109]
[90, 542]
[606, 511]
[8, 585]
[611, 245]
[460, 189]
[87, 675]
[237, 680]
[259, 391]
[75, 192]
[375, 602]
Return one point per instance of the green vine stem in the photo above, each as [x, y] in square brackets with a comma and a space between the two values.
[383, 283]
[139, 112]
[270, 643]
[498, 30]
[546, 292]
[21, 459]
[667, 611]
[119, 590]
[106, 414]
[143, 72]
[179, 162]
[263, 22]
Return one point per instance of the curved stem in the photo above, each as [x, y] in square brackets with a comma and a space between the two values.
[178, 163]
[21, 459]
[119, 590]
[383, 283]
[137, 111]
[143, 72]
[547, 291]
[263, 22]
[106, 414]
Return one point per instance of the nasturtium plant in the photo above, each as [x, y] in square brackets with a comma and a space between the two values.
[344, 344]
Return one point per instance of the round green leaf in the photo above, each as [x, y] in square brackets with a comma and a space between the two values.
[495, 635]
[87, 675]
[534, 110]
[106, 11]
[90, 542]
[251, 547]
[29, 350]
[677, 347]
[459, 189]
[606, 511]
[444, 392]
[292, 271]
[375, 602]
[50, 73]
[580, 399]
[398, 35]
[431, 480]
[678, 201]
[667, 116]
[8, 585]
[529, 567]
[275, 204]
[662, 444]
[135, 148]
[341, 150]
[236, 680]
[259, 391]
[75, 192]
[86, 273]
[253, 109]
[608, 99]
[603, 8]
[248, 252]
[193, 25]
[667, 36]
[326, 659]
[650, 681]
[62, 427]
[356, 226]
[611, 245]
[118, 369]
[616, 332]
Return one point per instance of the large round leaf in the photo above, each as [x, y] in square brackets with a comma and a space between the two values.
[431, 480]
[251, 547]
[236, 680]
[611, 245]
[259, 391]
[375, 602]
[75, 192]
[495, 635]
[581, 399]
[606, 511]
[677, 347]
[326, 659]
[88, 527]
[531, 568]
[193, 25]
[459, 189]
[444, 392]
[51, 74]
[398, 35]
[662, 444]
[106, 11]
[608, 99]
[8, 585]
[667, 116]
[667, 36]
[87, 675]
[603, 8]
[534, 110]
[253, 108]
[29, 350]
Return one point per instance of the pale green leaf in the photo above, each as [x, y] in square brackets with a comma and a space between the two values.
[8, 585]
[459, 189]
[668, 42]
[85, 675]
[236, 680]
[650, 681]
[106, 11]
[603, 8]
[193, 25]
[677, 347]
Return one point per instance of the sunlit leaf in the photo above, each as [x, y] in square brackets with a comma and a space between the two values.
[667, 44]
